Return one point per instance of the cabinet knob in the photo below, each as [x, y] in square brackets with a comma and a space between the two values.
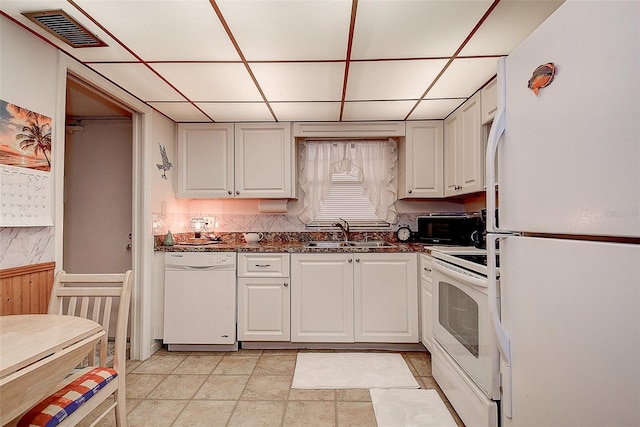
[427, 269]
[350, 260]
[410, 191]
[229, 192]
[237, 192]
[357, 259]
[286, 284]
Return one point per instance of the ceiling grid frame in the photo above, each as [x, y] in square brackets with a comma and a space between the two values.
[293, 28]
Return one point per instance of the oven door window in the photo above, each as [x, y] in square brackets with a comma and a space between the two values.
[458, 314]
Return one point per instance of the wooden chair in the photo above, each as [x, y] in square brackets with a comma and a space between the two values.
[90, 296]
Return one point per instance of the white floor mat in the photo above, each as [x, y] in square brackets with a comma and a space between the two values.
[352, 370]
[407, 408]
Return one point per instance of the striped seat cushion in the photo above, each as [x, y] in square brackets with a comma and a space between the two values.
[51, 411]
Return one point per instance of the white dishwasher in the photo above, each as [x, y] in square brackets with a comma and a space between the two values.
[200, 301]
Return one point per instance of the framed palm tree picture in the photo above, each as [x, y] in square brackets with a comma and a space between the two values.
[25, 165]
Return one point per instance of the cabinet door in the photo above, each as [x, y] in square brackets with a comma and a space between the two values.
[451, 137]
[264, 309]
[464, 150]
[426, 314]
[471, 151]
[386, 297]
[263, 160]
[489, 101]
[421, 176]
[322, 298]
[426, 302]
[205, 160]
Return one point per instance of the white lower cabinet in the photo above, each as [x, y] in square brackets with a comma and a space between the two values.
[322, 297]
[363, 297]
[264, 299]
[426, 302]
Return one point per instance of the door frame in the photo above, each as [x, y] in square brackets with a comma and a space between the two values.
[142, 343]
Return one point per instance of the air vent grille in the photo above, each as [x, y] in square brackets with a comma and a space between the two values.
[64, 27]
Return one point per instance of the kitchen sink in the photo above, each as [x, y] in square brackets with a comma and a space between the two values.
[327, 244]
[371, 244]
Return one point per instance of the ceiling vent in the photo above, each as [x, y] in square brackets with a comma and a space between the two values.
[64, 27]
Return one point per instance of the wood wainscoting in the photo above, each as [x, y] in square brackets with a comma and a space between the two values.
[26, 290]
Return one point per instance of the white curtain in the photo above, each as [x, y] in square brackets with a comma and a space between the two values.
[373, 163]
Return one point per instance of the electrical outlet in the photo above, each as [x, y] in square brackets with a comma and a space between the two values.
[211, 222]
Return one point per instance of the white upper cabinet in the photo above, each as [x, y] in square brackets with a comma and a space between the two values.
[205, 160]
[463, 150]
[248, 160]
[264, 160]
[420, 160]
[489, 95]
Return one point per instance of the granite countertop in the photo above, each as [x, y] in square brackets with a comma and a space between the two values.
[283, 242]
[291, 247]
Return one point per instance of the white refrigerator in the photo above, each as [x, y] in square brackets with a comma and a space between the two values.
[568, 197]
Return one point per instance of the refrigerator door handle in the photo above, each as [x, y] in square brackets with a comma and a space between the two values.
[504, 344]
[497, 129]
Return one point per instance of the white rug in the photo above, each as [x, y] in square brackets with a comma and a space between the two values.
[352, 370]
[407, 408]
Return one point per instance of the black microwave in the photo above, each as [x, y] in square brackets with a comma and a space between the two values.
[450, 229]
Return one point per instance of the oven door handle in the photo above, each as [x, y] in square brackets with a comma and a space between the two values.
[467, 279]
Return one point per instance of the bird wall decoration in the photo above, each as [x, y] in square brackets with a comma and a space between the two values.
[166, 164]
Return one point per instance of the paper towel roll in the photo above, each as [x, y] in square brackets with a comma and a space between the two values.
[273, 206]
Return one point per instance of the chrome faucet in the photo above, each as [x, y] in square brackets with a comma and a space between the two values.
[344, 228]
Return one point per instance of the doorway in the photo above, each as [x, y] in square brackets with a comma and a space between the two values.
[97, 182]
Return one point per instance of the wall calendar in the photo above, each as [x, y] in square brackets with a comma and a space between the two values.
[25, 167]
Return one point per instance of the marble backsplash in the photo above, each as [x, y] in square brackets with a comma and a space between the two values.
[271, 223]
[21, 246]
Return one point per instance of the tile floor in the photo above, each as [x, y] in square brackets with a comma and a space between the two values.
[244, 388]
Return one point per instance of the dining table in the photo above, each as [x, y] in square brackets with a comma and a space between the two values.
[37, 351]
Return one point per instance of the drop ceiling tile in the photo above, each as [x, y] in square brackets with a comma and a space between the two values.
[435, 109]
[210, 81]
[138, 80]
[411, 29]
[289, 29]
[112, 52]
[508, 25]
[180, 111]
[165, 30]
[237, 112]
[464, 77]
[377, 110]
[391, 79]
[306, 111]
[316, 81]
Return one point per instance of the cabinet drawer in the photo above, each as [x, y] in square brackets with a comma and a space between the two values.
[263, 265]
[425, 267]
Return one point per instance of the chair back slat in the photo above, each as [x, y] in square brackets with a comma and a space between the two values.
[84, 307]
[95, 315]
[72, 306]
[106, 314]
